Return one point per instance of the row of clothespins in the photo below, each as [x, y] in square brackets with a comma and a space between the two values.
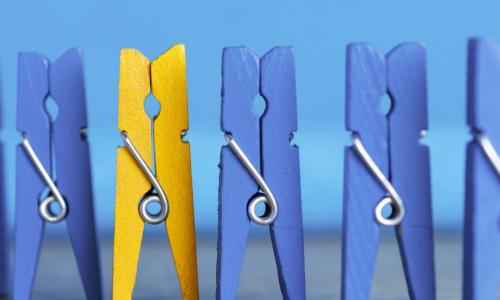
[385, 166]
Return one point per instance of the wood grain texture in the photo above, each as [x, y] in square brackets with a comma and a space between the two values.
[63, 81]
[33, 88]
[266, 142]
[73, 165]
[131, 183]
[482, 210]
[393, 143]
[365, 86]
[281, 170]
[173, 163]
[410, 166]
[166, 79]
[240, 85]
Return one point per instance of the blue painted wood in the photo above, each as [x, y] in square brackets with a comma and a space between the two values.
[482, 209]
[393, 143]
[73, 165]
[410, 165]
[63, 81]
[365, 87]
[281, 170]
[242, 81]
[4, 241]
[240, 85]
[33, 88]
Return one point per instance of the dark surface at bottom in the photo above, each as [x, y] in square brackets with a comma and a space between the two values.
[57, 276]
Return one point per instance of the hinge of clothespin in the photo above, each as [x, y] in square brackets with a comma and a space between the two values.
[67, 178]
[482, 192]
[386, 165]
[259, 165]
[170, 184]
[4, 241]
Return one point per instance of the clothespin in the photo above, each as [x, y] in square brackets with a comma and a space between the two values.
[4, 242]
[482, 207]
[138, 184]
[53, 168]
[260, 165]
[387, 166]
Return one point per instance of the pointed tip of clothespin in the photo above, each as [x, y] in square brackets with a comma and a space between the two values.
[177, 52]
[178, 47]
[284, 54]
[280, 48]
[128, 53]
[70, 54]
[407, 47]
[483, 69]
[240, 54]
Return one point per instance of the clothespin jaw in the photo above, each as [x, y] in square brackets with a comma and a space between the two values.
[240, 86]
[166, 79]
[73, 165]
[392, 144]
[63, 81]
[365, 87]
[33, 88]
[481, 231]
[266, 144]
[280, 162]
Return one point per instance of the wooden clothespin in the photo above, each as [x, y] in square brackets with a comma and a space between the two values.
[260, 165]
[482, 192]
[51, 148]
[386, 165]
[137, 184]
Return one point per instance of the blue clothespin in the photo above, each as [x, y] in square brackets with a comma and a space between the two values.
[386, 165]
[4, 242]
[43, 182]
[482, 193]
[259, 165]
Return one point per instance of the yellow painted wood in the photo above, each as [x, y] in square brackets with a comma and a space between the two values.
[173, 163]
[131, 183]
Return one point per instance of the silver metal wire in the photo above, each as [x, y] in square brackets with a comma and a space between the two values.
[266, 197]
[489, 150]
[45, 205]
[159, 198]
[398, 209]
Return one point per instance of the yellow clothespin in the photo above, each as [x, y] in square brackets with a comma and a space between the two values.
[137, 184]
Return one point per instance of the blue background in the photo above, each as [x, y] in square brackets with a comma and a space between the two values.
[319, 30]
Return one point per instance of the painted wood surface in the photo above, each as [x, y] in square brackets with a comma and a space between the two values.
[166, 78]
[393, 142]
[482, 191]
[131, 183]
[63, 81]
[280, 164]
[267, 143]
[73, 165]
[173, 163]
[33, 88]
[4, 239]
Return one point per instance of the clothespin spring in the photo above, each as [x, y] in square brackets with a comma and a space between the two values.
[45, 206]
[159, 198]
[489, 150]
[393, 199]
[267, 197]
